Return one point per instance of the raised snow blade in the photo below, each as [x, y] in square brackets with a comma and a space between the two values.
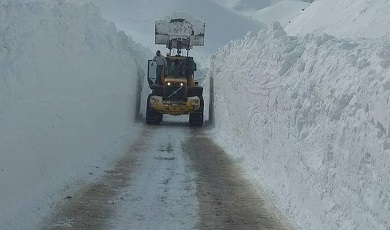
[179, 33]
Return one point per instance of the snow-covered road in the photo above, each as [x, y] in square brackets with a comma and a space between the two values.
[171, 177]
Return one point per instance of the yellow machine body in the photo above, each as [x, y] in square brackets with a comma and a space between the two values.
[175, 108]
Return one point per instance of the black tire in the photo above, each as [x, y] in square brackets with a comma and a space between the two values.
[152, 117]
[196, 118]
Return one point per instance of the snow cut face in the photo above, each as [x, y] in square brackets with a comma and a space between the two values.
[69, 83]
[308, 117]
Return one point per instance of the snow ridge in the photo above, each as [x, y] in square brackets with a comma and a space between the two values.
[307, 117]
[347, 18]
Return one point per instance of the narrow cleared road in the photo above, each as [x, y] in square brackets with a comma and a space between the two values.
[171, 177]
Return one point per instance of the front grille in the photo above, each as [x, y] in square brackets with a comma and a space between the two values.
[180, 95]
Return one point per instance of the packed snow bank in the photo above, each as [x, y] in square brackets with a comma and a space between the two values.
[67, 97]
[346, 18]
[308, 119]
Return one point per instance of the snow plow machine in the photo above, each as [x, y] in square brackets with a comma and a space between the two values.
[176, 92]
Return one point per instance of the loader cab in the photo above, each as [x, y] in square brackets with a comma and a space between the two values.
[175, 67]
[183, 68]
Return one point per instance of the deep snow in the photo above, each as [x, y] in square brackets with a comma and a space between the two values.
[67, 101]
[307, 117]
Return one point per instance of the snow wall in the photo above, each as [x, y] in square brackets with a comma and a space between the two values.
[308, 119]
[67, 97]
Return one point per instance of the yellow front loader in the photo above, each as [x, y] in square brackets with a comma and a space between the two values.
[177, 93]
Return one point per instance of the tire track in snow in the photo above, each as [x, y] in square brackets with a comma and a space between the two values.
[163, 194]
[226, 199]
[172, 177]
[93, 205]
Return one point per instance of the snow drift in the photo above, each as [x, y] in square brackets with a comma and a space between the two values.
[308, 118]
[67, 94]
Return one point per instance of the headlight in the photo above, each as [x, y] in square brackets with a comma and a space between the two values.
[195, 102]
[168, 83]
[181, 84]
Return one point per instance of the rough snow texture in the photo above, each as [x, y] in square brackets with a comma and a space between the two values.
[67, 99]
[308, 118]
[346, 18]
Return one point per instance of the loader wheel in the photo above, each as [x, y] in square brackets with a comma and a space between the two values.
[196, 118]
[152, 117]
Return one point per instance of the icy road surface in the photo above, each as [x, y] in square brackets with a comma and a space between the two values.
[172, 177]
